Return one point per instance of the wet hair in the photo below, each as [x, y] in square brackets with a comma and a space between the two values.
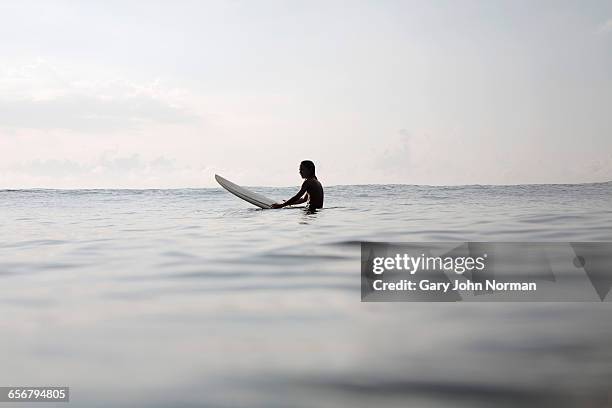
[309, 165]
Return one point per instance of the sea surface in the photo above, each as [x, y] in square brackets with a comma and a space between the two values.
[194, 298]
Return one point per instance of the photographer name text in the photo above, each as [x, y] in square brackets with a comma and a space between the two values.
[432, 286]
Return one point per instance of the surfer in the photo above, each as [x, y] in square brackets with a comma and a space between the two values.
[311, 191]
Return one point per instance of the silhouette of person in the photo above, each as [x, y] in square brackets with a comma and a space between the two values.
[311, 191]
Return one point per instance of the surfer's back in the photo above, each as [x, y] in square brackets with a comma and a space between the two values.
[315, 193]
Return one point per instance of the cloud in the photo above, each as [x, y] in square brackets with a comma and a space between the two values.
[605, 27]
[40, 96]
[594, 170]
[111, 169]
[88, 113]
[396, 158]
[413, 156]
[109, 164]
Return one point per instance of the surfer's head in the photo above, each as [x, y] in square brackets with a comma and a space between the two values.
[307, 169]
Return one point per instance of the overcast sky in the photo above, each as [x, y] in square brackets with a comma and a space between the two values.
[165, 94]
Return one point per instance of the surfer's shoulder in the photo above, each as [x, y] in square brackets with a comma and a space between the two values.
[311, 182]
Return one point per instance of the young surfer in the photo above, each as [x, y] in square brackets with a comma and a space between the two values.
[311, 191]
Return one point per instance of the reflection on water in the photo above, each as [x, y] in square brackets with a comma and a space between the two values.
[192, 298]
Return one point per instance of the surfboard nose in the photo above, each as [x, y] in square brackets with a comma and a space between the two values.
[244, 193]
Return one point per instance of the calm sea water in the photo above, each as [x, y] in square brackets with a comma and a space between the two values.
[184, 298]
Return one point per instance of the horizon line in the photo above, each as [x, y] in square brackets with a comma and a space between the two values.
[294, 185]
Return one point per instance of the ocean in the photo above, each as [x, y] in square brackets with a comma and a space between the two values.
[192, 297]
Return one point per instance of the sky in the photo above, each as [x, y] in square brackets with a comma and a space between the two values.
[161, 94]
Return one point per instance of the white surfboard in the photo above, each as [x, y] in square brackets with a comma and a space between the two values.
[244, 193]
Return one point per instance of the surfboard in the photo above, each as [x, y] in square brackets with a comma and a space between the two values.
[244, 193]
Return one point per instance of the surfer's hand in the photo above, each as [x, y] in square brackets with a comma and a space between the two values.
[277, 205]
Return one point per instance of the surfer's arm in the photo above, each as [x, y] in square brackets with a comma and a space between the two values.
[296, 199]
[302, 200]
